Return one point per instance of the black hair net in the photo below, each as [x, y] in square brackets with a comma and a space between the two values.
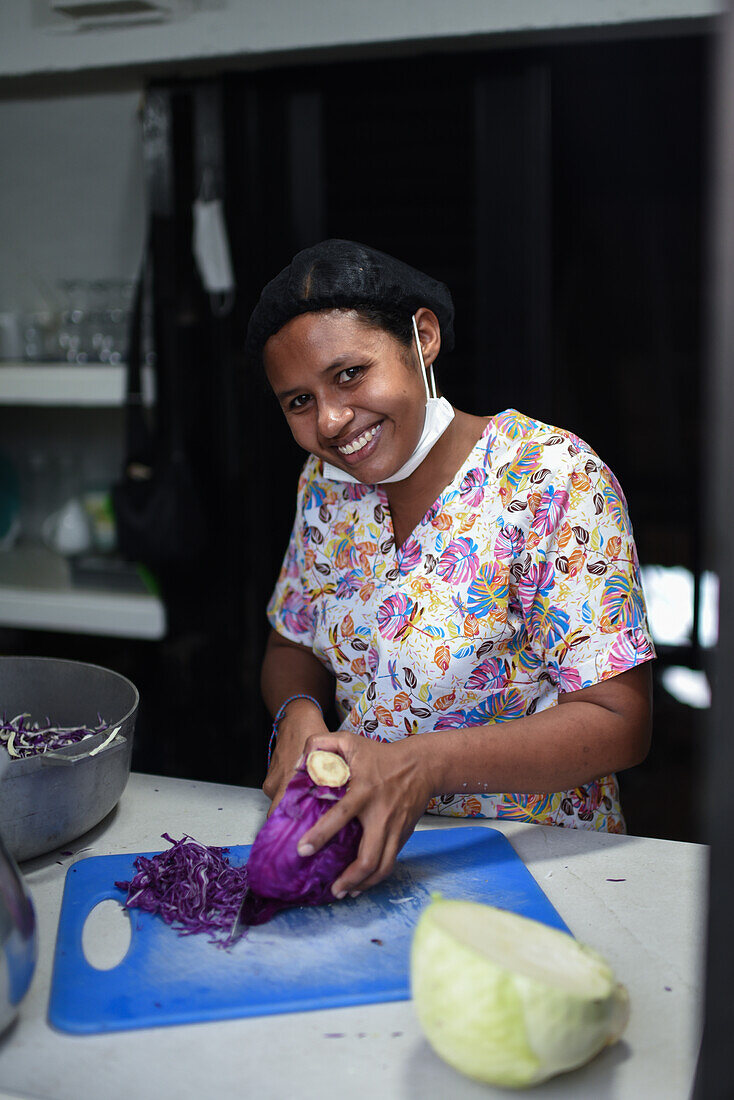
[345, 275]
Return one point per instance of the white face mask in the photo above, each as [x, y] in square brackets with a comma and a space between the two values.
[438, 416]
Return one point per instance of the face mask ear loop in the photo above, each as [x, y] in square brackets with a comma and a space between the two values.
[433, 381]
[423, 365]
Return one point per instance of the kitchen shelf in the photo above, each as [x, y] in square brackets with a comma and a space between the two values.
[37, 593]
[67, 384]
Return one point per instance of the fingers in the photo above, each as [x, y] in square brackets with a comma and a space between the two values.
[273, 786]
[277, 779]
[372, 865]
[279, 792]
[381, 794]
[378, 849]
[331, 742]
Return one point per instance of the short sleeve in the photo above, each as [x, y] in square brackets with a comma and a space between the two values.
[581, 592]
[290, 609]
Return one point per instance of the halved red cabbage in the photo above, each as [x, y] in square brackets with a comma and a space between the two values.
[277, 876]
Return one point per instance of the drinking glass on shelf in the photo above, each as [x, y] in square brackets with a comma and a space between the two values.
[11, 336]
[72, 330]
[121, 303]
[38, 335]
[113, 319]
[95, 336]
[95, 320]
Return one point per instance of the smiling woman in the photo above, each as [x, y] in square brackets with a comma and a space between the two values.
[350, 391]
[451, 576]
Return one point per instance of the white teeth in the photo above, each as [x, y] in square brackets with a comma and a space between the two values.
[358, 443]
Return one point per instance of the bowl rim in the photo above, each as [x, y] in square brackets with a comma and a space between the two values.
[80, 664]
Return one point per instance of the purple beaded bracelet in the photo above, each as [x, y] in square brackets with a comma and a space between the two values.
[280, 713]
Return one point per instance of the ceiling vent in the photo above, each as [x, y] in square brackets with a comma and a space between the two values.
[82, 14]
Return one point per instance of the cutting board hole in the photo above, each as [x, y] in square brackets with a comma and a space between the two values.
[106, 935]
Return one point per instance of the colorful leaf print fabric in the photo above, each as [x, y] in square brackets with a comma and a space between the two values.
[521, 582]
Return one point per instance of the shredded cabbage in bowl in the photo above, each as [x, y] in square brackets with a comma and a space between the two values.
[22, 737]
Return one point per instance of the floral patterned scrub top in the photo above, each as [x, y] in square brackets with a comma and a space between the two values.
[521, 582]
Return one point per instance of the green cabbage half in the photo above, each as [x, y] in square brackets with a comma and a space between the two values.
[508, 1000]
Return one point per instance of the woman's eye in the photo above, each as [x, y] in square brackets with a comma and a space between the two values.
[349, 374]
[300, 401]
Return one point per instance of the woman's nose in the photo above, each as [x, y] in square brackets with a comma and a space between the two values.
[333, 419]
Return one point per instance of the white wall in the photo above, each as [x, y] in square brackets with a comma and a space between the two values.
[33, 41]
[71, 193]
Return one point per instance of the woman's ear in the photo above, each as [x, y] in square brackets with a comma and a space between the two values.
[429, 334]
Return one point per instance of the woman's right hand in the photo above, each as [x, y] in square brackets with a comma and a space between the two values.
[301, 719]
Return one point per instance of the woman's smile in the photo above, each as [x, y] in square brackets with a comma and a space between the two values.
[360, 446]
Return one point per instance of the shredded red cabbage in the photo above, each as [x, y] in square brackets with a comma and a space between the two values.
[191, 886]
[22, 738]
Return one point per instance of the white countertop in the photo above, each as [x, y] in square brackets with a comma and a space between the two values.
[650, 926]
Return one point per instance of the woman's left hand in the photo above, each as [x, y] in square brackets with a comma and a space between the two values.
[388, 791]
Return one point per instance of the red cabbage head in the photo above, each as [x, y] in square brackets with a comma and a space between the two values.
[274, 869]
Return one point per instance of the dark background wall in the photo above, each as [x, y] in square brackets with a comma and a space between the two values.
[559, 192]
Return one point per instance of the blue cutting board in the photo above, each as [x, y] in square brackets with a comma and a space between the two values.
[353, 952]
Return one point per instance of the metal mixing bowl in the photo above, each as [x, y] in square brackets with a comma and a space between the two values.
[50, 799]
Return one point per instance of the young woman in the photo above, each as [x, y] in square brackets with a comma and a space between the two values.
[464, 590]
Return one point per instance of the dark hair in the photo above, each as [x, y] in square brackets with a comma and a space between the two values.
[398, 323]
[345, 275]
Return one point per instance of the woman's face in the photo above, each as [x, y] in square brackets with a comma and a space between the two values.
[351, 393]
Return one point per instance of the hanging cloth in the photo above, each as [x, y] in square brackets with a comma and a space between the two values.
[159, 516]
